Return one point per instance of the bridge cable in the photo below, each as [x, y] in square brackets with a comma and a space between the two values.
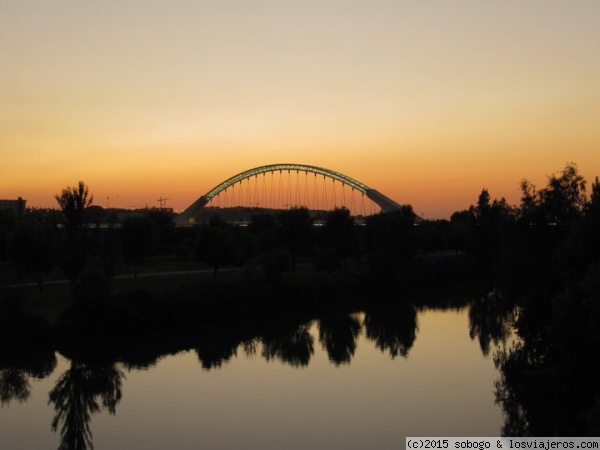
[306, 189]
[324, 193]
[290, 200]
[315, 192]
[272, 189]
[363, 213]
[334, 196]
[279, 192]
[297, 188]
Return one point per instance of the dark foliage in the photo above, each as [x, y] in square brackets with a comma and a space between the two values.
[540, 260]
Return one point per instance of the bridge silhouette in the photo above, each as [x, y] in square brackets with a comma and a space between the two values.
[192, 213]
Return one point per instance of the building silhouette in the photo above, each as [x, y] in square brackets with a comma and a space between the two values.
[17, 206]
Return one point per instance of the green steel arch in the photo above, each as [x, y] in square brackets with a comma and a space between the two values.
[385, 203]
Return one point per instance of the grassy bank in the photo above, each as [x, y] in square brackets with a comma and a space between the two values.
[172, 301]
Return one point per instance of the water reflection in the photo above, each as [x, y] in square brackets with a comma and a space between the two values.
[337, 335]
[393, 328]
[14, 385]
[293, 346]
[541, 399]
[16, 370]
[88, 387]
[214, 352]
[84, 389]
[490, 320]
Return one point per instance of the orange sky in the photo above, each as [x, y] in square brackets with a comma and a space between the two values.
[427, 102]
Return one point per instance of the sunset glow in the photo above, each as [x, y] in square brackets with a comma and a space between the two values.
[427, 102]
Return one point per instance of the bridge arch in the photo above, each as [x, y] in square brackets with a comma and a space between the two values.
[191, 213]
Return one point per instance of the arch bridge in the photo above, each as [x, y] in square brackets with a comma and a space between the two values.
[191, 213]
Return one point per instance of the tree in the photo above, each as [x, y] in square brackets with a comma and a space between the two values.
[483, 205]
[593, 207]
[215, 244]
[34, 248]
[561, 202]
[391, 244]
[487, 227]
[73, 202]
[264, 227]
[339, 232]
[139, 236]
[296, 231]
[529, 211]
[564, 197]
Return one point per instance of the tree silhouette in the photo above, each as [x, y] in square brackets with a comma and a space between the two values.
[14, 385]
[392, 328]
[339, 232]
[73, 202]
[296, 231]
[489, 321]
[75, 399]
[215, 244]
[213, 353]
[264, 227]
[338, 336]
[139, 236]
[391, 245]
[15, 373]
[293, 346]
[561, 202]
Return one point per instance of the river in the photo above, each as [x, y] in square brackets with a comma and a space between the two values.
[352, 381]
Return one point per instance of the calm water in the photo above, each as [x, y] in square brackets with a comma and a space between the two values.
[368, 388]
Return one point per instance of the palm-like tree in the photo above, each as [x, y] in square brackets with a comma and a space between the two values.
[75, 400]
[73, 202]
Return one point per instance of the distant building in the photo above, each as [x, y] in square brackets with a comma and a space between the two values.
[17, 206]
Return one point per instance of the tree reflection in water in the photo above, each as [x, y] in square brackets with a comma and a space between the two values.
[16, 372]
[337, 335]
[294, 346]
[89, 387]
[216, 351]
[490, 320]
[541, 398]
[393, 328]
[84, 389]
[14, 385]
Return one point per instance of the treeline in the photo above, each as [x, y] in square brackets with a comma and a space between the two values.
[543, 257]
[547, 240]
[551, 236]
[74, 242]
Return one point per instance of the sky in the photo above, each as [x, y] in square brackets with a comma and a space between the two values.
[426, 101]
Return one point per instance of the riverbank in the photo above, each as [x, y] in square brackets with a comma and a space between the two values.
[103, 310]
